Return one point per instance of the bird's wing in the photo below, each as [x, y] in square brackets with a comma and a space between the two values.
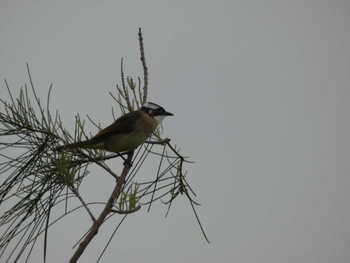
[122, 125]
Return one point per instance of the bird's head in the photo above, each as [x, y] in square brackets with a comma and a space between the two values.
[155, 111]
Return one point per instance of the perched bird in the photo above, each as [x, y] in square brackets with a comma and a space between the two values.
[127, 132]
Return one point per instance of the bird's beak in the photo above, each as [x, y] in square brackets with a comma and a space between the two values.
[168, 114]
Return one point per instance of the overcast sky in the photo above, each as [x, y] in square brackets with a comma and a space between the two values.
[260, 93]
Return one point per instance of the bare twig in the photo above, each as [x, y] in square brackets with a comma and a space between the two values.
[108, 207]
[162, 141]
[75, 191]
[126, 93]
[144, 66]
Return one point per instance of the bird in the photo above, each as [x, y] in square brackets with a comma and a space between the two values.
[127, 132]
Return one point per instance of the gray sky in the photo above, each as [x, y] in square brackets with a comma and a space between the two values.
[260, 93]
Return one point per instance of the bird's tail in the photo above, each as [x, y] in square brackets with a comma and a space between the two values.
[82, 144]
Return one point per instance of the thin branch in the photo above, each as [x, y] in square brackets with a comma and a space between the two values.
[126, 93]
[75, 191]
[109, 205]
[144, 66]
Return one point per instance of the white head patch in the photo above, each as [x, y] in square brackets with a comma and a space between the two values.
[151, 105]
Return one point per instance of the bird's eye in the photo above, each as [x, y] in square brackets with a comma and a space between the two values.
[160, 111]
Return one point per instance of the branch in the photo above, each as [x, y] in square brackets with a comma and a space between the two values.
[75, 191]
[144, 66]
[108, 208]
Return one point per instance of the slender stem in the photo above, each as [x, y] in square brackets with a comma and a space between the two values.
[144, 66]
[107, 209]
[75, 191]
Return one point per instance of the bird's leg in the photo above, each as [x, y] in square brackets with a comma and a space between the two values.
[125, 159]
